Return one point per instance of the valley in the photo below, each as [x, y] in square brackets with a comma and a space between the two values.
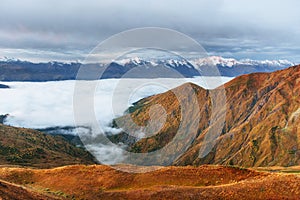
[255, 156]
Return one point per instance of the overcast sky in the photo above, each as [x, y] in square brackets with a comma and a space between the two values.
[68, 30]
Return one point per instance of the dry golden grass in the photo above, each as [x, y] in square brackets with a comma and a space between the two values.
[27, 147]
[10, 191]
[204, 182]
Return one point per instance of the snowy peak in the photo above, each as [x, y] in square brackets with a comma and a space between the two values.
[52, 71]
[131, 61]
[6, 59]
[267, 62]
[177, 63]
[230, 62]
[215, 61]
[207, 61]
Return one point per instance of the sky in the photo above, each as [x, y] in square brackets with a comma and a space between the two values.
[66, 30]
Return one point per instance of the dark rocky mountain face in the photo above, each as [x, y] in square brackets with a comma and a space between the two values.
[261, 122]
[27, 71]
[2, 86]
[2, 118]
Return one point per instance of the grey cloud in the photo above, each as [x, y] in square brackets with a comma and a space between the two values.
[59, 26]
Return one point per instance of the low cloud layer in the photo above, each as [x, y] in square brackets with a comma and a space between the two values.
[68, 30]
[50, 104]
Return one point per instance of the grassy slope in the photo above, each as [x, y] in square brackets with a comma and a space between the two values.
[26, 147]
[13, 191]
[101, 182]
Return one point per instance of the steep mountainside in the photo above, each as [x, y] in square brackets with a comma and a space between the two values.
[25, 147]
[262, 122]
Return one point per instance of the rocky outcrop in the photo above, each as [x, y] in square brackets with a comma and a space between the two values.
[2, 118]
[4, 86]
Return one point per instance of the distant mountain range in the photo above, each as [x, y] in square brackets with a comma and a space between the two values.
[16, 70]
[261, 122]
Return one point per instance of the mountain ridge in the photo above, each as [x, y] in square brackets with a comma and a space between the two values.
[17, 70]
[261, 126]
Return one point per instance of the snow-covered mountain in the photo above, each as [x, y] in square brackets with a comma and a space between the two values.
[207, 61]
[17, 70]
[227, 66]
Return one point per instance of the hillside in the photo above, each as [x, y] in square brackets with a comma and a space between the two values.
[13, 191]
[205, 182]
[261, 121]
[26, 147]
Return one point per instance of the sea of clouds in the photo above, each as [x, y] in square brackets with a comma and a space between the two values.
[50, 104]
[42, 105]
